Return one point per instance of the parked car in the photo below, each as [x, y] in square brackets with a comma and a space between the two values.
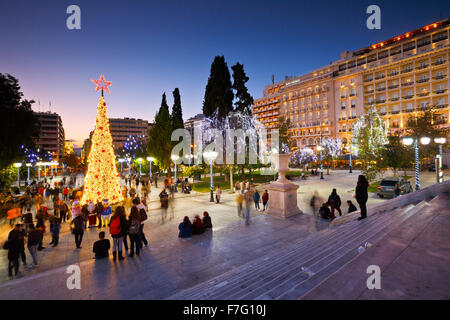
[387, 187]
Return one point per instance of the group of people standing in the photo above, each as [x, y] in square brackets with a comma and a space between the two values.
[327, 209]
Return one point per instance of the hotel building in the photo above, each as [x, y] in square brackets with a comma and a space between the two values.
[51, 137]
[400, 77]
[122, 128]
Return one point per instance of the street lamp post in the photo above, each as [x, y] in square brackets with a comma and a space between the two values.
[150, 160]
[320, 148]
[440, 173]
[28, 175]
[175, 158]
[18, 165]
[409, 141]
[210, 156]
[140, 166]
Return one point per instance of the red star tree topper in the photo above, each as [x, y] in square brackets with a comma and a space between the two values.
[102, 178]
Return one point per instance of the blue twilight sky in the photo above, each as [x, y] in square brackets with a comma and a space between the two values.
[149, 47]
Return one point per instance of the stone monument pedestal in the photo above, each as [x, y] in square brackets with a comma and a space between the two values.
[282, 193]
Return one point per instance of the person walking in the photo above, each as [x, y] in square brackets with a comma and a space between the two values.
[265, 199]
[55, 227]
[27, 219]
[92, 214]
[315, 201]
[14, 245]
[239, 201]
[335, 203]
[118, 229]
[78, 230]
[134, 222]
[362, 195]
[143, 214]
[63, 211]
[65, 193]
[34, 239]
[218, 194]
[248, 195]
[164, 199]
[256, 198]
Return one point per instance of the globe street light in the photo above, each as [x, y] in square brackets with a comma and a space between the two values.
[211, 156]
[18, 165]
[28, 176]
[150, 160]
[409, 141]
[320, 148]
[140, 166]
[175, 158]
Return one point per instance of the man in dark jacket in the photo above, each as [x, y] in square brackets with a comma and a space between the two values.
[335, 203]
[15, 246]
[34, 239]
[362, 195]
[101, 247]
[78, 230]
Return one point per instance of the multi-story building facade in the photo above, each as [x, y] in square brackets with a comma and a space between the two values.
[51, 137]
[400, 77]
[122, 128]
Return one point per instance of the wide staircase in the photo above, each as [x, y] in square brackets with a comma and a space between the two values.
[304, 265]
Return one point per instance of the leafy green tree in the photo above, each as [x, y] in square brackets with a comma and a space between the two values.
[370, 136]
[244, 98]
[425, 125]
[159, 143]
[177, 112]
[218, 99]
[396, 155]
[18, 124]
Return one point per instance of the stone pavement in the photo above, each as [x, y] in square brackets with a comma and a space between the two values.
[170, 264]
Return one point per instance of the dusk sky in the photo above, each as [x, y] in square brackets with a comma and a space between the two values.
[149, 47]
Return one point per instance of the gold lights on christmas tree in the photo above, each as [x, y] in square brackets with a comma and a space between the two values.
[102, 179]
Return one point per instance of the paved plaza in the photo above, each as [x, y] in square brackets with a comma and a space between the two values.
[170, 264]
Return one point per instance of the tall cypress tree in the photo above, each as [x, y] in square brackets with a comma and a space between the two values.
[244, 98]
[218, 93]
[159, 143]
[177, 112]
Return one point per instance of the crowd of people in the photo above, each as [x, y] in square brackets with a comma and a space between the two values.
[54, 205]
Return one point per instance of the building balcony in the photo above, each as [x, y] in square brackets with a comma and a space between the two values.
[408, 110]
[422, 80]
[395, 112]
[369, 91]
[394, 99]
[440, 91]
[352, 94]
[406, 71]
[407, 84]
[381, 101]
[439, 62]
[440, 77]
[382, 113]
[395, 86]
[368, 79]
[422, 67]
[393, 74]
[381, 89]
[423, 94]
[379, 77]
[441, 106]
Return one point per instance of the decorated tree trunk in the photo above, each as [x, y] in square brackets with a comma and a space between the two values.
[102, 177]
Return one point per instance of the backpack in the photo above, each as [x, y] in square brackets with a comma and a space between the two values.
[114, 226]
[143, 214]
[134, 227]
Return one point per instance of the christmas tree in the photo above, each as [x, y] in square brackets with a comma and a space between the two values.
[102, 179]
